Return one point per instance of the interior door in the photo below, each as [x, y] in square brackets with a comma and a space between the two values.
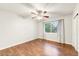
[75, 32]
[78, 32]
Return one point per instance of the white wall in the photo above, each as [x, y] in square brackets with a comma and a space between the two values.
[68, 28]
[15, 30]
[40, 30]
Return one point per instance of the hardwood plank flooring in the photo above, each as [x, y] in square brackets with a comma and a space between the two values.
[40, 47]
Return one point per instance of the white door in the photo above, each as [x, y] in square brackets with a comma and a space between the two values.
[78, 26]
[75, 32]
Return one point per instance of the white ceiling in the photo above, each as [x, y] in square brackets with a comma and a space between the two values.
[26, 8]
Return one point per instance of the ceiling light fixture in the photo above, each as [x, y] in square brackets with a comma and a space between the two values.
[39, 15]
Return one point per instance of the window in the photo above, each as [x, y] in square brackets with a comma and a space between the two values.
[51, 27]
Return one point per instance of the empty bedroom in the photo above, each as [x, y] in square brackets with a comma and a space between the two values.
[39, 29]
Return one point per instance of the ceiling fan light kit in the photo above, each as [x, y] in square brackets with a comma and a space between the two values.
[39, 15]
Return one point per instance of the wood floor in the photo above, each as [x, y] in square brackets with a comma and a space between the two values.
[40, 47]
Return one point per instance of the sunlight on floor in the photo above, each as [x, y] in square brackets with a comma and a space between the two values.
[50, 50]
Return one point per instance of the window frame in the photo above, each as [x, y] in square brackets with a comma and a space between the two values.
[50, 27]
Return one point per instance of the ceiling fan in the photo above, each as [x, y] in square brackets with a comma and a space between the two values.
[39, 15]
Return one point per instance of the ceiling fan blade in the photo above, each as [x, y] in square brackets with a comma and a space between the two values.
[33, 17]
[33, 13]
[46, 16]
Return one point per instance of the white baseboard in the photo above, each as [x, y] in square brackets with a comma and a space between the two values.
[14, 44]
